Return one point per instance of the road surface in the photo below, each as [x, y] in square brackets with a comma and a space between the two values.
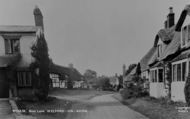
[103, 107]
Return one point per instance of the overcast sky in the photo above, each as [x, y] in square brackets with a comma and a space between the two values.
[101, 35]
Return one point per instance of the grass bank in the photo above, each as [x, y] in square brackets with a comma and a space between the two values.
[155, 108]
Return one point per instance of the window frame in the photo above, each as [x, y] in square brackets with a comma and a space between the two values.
[24, 78]
[186, 61]
[159, 50]
[154, 75]
[55, 79]
[9, 42]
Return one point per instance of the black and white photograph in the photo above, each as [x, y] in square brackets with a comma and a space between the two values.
[94, 59]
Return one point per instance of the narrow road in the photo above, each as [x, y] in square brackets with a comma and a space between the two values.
[103, 107]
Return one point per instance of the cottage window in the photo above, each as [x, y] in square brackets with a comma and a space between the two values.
[12, 46]
[55, 80]
[24, 79]
[155, 75]
[152, 75]
[160, 75]
[185, 35]
[183, 71]
[159, 50]
[179, 71]
[174, 72]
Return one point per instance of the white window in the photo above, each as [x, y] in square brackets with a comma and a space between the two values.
[55, 80]
[24, 79]
[156, 75]
[179, 71]
[185, 36]
[12, 46]
[159, 50]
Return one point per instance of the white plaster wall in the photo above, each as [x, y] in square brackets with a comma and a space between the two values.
[177, 91]
[157, 90]
[26, 43]
[2, 46]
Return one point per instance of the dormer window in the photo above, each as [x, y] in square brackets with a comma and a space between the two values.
[185, 36]
[159, 50]
[12, 46]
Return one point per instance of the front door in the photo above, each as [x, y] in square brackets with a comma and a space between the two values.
[4, 84]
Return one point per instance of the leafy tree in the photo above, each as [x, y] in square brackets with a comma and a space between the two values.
[90, 74]
[103, 83]
[41, 66]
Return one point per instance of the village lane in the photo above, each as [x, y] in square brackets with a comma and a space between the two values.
[104, 107]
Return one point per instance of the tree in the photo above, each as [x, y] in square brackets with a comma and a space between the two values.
[138, 69]
[103, 83]
[90, 74]
[41, 66]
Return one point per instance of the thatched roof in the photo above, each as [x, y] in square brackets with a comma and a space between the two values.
[131, 74]
[183, 55]
[144, 61]
[173, 47]
[175, 44]
[73, 73]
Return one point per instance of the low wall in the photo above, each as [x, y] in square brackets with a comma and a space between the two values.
[177, 91]
[157, 90]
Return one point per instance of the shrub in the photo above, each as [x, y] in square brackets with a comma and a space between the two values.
[134, 88]
[127, 93]
[187, 90]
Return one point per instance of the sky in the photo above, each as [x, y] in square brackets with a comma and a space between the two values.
[101, 35]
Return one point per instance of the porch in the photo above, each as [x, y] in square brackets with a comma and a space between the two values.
[157, 86]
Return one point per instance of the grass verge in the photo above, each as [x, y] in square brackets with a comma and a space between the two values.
[155, 108]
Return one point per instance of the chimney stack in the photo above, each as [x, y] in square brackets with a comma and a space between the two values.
[71, 66]
[124, 69]
[170, 18]
[166, 24]
[38, 17]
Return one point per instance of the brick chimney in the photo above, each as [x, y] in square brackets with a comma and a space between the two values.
[38, 17]
[170, 18]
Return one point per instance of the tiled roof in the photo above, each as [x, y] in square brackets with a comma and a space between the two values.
[16, 29]
[144, 61]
